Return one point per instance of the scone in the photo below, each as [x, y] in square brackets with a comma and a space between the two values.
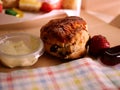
[65, 38]
[10, 3]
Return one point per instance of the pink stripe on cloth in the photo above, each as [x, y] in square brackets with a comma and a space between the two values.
[54, 81]
[80, 74]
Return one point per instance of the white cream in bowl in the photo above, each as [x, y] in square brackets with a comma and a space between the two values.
[20, 49]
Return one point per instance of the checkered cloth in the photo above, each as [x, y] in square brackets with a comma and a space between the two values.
[81, 74]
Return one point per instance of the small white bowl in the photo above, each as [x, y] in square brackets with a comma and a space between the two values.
[20, 49]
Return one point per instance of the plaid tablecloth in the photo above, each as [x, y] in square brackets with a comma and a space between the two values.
[81, 74]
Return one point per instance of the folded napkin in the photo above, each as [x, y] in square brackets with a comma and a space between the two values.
[81, 74]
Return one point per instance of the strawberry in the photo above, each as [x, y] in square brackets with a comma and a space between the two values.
[1, 6]
[47, 7]
[97, 45]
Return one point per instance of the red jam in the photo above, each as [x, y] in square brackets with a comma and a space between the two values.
[111, 56]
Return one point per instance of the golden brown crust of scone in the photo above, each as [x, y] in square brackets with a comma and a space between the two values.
[64, 29]
[65, 38]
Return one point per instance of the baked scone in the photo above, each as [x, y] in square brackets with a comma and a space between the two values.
[65, 38]
[10, 3]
